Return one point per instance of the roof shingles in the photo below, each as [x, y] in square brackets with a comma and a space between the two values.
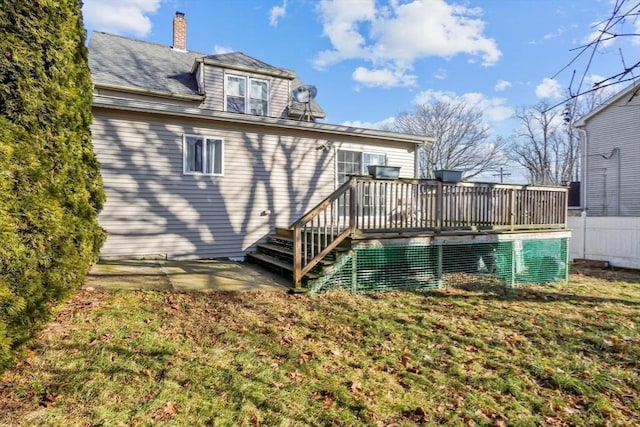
[126, 63]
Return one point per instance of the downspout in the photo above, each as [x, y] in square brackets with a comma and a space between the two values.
[583, 169]
[583, 190]
[616, 150]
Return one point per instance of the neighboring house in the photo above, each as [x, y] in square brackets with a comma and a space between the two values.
[609, 228]
[203, 155]
[611, 156]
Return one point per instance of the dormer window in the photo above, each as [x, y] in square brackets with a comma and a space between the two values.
[240, 100]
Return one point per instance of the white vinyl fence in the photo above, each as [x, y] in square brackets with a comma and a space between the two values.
[612, 239]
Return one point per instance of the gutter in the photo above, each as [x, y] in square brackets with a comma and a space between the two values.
[143, 91]
[122, 104]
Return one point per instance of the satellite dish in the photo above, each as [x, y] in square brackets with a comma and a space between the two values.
[304, 94]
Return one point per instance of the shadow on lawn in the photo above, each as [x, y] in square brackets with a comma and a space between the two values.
[528, 293]
[608, 274]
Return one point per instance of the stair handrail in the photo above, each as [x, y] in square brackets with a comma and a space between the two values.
[300, 270]
[315, 211]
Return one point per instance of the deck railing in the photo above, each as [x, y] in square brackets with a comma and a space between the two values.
[368, 205]
[405, 204]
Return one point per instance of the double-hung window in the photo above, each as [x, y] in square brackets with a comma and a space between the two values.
[355, 162]
[202, 155]
[246, 95]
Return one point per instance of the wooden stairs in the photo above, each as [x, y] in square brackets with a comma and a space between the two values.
[276, 254]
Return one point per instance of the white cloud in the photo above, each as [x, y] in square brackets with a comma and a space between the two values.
[494, 110]
[560, 31]
[549, 89]
[218, 50]
[502, 85]
[440, 74]
[384, 77]
[276, 13]
[120, 16]
[382, 124]
[393, 36]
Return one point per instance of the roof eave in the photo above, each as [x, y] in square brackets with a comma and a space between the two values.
[239, 67]
[317, 114]
[145, 91]
[193, 112]
[582, 122]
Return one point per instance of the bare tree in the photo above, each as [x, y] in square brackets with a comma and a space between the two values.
[570, 147]
[545, 144]
[624, 14]
[462, 141]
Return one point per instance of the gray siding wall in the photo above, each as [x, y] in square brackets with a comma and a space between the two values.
[397, 154]
[613, 185]
[279, 90]
[269, 179]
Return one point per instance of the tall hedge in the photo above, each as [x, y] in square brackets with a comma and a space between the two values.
[50, 185]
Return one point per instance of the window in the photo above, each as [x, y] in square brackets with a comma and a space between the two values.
[255, 100]
[202, 155]
[258, 97]
[355, 163]
[235, 94]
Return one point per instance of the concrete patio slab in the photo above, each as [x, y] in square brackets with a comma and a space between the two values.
[201, 275]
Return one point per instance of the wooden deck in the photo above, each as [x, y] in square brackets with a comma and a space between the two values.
[366, 206]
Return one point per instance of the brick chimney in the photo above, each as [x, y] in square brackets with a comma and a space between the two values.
[179, 32]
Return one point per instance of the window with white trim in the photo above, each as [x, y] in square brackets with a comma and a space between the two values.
[356, 162]
[202, 155]
[246, 95]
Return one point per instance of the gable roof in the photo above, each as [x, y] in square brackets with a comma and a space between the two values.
[242, 62]
[610, 101]
[124, 63]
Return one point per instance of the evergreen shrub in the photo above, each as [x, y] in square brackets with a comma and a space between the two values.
[50, 185]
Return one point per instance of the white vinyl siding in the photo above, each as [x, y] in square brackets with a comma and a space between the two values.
[612, 176]
[202, 155]
[246, 95]
[154, 209]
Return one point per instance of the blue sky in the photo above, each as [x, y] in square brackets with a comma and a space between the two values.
[373, 59]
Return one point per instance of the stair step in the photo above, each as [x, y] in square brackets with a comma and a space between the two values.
[277, 262]
[279, 237]
[276, 248]
[284, 232]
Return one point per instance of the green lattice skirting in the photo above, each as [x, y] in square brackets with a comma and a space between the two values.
[377, 266]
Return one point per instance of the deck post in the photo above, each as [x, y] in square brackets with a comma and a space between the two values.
[439, 267]
[567, 259]
[512, 212]
[511, 280]
[354, 271]
[439, 202]
[352, 205]
[297, 258]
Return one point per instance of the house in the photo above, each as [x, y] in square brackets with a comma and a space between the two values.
[209, 156]
[203, 155]
[609, 226]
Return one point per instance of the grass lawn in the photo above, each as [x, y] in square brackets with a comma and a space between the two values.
[566, 354]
